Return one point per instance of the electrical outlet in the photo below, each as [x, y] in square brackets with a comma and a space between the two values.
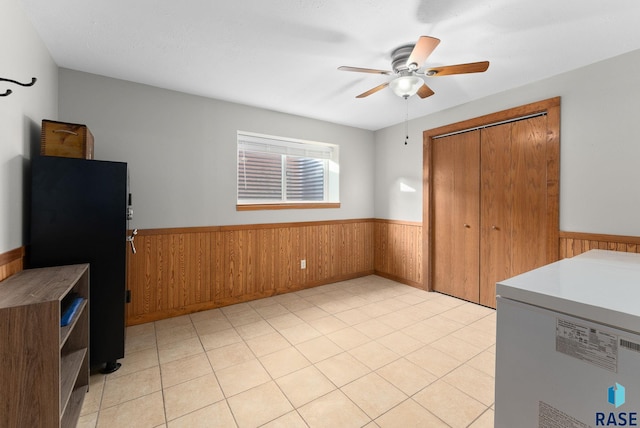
[303, 264]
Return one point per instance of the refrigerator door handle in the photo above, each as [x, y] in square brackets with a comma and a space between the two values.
[130, 240]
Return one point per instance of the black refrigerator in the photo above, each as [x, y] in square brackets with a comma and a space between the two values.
[79, 215]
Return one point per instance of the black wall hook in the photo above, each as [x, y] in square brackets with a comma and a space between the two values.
[9, 91]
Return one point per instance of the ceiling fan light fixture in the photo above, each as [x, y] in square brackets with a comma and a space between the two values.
[406, 86]
[406, 63]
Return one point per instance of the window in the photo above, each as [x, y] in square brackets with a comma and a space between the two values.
[276, 172]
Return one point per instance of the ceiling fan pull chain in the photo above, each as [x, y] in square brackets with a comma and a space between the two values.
[406, 123]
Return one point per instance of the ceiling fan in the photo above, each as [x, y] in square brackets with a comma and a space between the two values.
[406, 62]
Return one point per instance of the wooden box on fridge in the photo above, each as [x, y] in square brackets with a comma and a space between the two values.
[70, 140]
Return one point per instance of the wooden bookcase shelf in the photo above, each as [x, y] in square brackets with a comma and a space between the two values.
[44, 374]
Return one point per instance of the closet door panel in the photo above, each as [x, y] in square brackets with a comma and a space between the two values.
[495, 210]
[443, 197]
[457, 206]
[529, 178]
[466, 238]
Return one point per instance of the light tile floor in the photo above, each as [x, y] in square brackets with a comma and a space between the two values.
[367, 352]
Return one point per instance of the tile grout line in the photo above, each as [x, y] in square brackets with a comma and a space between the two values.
[164, 403]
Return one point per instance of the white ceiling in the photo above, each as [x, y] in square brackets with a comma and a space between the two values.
[283, 54]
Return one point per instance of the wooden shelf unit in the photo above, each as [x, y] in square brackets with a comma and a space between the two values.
[44, 370]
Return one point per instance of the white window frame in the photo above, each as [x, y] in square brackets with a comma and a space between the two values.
[284, 146]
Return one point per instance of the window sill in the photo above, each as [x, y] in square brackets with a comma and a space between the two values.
[300, 206]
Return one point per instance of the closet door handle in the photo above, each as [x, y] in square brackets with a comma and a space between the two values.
[467, 226]
[494, 227]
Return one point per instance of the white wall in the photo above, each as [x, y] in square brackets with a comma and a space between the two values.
[181, 151]
[600, 147]
[23, 56]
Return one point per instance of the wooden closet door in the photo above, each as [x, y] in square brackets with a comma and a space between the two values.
[495, 210]
[529, 189]
[456, 185]
[518, 184]
[513, 202]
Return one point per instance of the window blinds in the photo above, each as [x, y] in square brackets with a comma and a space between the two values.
[284, 146]
[274, 170]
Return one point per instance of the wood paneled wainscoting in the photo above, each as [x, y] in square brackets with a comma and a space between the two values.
[11, 262]
[398, 251]
[178, 271]
[574, 243]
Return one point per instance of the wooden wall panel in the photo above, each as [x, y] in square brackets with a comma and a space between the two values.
[178, 271]
[574, 243]
[398, 251]
[266, 247]
[11, 262]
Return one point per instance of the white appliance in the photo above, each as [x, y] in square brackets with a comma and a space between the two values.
[568, 344]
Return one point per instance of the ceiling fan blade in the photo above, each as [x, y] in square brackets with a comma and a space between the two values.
[421, 51]
[472, 67]
[425, 91]
[363, 70]
[373, 90]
